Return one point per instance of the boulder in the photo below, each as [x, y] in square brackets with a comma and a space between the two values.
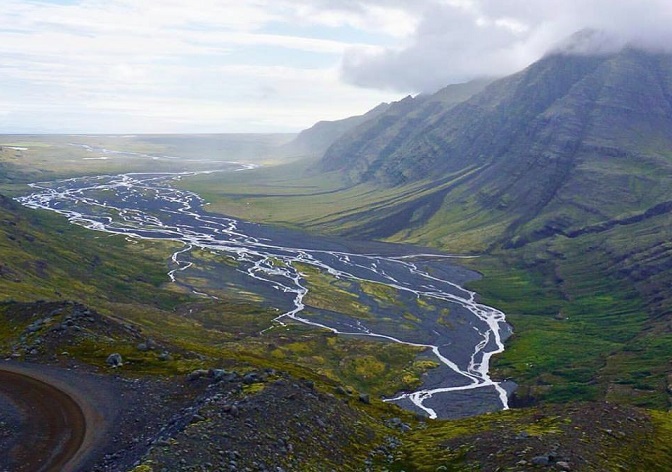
[196, 374]
[218, 375]
[114, 360]
[365, 398]
[165, 356]
[541, 460]
[251, 377]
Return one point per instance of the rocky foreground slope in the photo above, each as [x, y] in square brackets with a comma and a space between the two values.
[266, 420]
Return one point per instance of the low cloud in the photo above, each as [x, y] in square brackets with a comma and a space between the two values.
[459, 40]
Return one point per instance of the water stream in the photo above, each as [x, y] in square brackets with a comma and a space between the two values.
[148, 206]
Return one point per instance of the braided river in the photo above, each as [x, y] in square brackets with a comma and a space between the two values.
[149, 206]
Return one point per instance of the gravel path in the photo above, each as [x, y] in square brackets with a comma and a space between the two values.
[10, 425]
[53, 424]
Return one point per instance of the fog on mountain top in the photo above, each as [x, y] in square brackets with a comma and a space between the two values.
[457, 41]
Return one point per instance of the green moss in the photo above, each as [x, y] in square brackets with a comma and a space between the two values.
[142, 468]
[329, 293]
[655, 456]
[564, 346]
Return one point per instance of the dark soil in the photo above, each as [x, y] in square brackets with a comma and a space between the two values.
[586, 437]
[281, 424]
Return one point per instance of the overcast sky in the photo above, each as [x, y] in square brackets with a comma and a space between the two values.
[150, 66]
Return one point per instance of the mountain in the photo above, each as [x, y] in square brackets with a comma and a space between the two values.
[399, 123]
[570, 144]
[315, 140]
[516, 116]
[561, 172]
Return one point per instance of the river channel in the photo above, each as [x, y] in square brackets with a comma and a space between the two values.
[459, 333]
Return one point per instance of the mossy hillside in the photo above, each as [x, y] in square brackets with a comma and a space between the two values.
[626, 264]
[45, 257]
[91, 337]
[365, 366]
[577, 335]
[176, 345]
[68, 333]
[587, 436]
[204, 334]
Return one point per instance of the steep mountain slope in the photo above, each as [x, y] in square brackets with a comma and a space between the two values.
[570, 142]
[399, 122]
[387, 118]
[563, 170]
[44, 257]
[315, 140]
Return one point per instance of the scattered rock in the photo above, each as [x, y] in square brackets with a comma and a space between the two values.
[365, 398]
[523, 435]
[541, 460]
[220, 375]
[165, 356]
[251, 377]
[196, 374]
[396, 423]
[196, 418]
[393, 422]
[114, 360]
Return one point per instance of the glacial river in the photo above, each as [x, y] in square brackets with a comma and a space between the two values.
[432, 309]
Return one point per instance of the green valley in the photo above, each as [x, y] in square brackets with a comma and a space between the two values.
[553, 183]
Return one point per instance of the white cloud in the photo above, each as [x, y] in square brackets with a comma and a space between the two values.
[391, 17]
[215, 65]
[458, 40]
[237, 65]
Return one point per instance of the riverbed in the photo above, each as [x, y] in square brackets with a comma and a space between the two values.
[458, 332]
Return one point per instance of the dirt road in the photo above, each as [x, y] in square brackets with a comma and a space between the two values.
[53, 426]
